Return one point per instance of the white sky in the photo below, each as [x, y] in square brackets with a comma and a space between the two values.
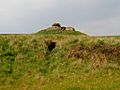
[94, 17]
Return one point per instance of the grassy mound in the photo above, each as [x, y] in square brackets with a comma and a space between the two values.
[75, 62]
[58, 31]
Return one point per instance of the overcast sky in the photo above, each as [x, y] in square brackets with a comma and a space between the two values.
[94, 17]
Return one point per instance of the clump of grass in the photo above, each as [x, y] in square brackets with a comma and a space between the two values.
[98, 52]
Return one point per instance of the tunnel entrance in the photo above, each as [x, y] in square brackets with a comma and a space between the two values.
[49, 45]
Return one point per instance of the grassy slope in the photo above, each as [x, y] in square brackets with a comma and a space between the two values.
[77, 62]
[57, 31]
[116, 37]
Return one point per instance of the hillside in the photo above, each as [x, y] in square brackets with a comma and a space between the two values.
[58, 29]
[53, 60]
[54, 31]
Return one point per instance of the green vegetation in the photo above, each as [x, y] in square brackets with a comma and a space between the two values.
[76, 62]
[57, 31]
[117, 36]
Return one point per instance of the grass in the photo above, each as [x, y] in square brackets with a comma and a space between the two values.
[78, 62]
[116, 37]
[57, 31]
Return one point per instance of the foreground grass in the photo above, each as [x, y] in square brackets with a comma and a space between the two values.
[84, 81]
[78, 62]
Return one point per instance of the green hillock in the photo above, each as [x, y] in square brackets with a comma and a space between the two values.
[58, 31]
[55, 60]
